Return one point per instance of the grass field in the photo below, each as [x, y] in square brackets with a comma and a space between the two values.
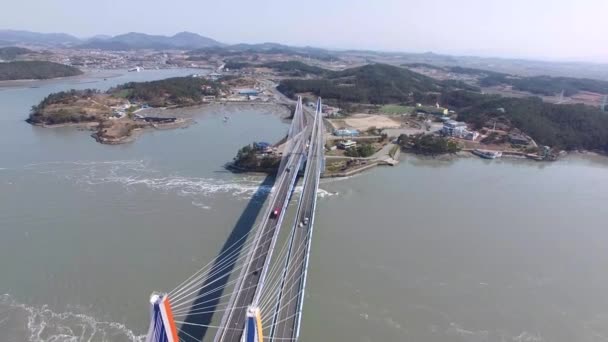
[395, 109]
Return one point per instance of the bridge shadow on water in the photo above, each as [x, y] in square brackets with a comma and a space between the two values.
[235, 242]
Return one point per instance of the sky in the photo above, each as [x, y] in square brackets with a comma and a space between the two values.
[536, 29]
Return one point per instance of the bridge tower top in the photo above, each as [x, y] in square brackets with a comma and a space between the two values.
[162, 326]
[253, 327]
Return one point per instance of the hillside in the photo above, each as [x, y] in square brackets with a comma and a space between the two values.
[565, 126]
[73, 106]
[12, 52]
[177, 91]
[26, 70]
[91, 105]
[372, 83]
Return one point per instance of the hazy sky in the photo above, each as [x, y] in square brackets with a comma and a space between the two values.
[547, 29]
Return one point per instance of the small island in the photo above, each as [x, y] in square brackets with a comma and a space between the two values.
[114, 114]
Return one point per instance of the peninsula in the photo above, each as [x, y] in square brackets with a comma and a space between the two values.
[114, 114]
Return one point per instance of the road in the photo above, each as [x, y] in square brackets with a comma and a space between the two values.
[286, 320]
[233, 321]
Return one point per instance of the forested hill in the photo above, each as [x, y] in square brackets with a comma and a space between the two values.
[372, 83]
[179, 91]
[26, 70]
[11, 52]
[566, 126]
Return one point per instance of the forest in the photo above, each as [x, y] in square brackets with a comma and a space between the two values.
[567, 126]
[178, 91]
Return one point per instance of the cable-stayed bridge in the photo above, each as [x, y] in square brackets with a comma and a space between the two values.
[253, 291]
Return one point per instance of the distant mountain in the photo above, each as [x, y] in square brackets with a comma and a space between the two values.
[100, 37]
[189, 40]
[35, 38]
[269, 48]
[134, 40]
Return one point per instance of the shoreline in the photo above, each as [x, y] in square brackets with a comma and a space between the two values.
[463, 154]
[185, 117]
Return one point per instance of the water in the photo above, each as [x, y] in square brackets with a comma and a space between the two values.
[468, 250]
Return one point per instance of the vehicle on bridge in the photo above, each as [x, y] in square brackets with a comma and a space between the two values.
[275, 213]
[304, 222]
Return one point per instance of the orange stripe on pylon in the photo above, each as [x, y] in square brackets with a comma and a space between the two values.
[170, 319]
[258, 319]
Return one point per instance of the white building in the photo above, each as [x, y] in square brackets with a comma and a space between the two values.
[347, 144]
[454, 128]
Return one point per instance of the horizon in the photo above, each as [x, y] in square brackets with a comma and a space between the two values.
[517, 30]
[329, 48]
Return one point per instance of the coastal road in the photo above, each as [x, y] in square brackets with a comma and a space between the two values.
[288, 310]
[233, 322]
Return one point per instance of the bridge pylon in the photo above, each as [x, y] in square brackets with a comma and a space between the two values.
[162, 326]
[253, 326]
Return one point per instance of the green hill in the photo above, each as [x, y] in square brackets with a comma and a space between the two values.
[372, 83]
[565, 126]
[179, 91]
[11, 52]
[26, 70]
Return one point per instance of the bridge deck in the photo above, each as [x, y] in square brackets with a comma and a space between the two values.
[288, 310]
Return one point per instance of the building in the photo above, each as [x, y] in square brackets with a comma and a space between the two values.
[347, 144]
[263, 147]
[330, 111]
[454, 128]
[248, 92]
[518, 139]
[471, 135]
[214, 76]
[345, 132]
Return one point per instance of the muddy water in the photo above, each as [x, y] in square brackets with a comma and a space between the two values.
[467, 250]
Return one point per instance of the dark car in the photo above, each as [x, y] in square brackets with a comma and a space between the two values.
[275, 213]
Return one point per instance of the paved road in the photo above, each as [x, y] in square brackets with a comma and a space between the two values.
[234, 320]
[288, 308]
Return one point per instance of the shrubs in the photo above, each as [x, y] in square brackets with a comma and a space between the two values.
[428, 144]
[361, 151]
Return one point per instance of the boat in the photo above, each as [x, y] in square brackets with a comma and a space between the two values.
[487, 154]
[225, 119]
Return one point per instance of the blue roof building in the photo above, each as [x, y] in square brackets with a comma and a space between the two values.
[345, 132]
[261, 146]
[248, 92]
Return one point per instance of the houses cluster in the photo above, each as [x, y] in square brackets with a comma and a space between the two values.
[328, 111]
